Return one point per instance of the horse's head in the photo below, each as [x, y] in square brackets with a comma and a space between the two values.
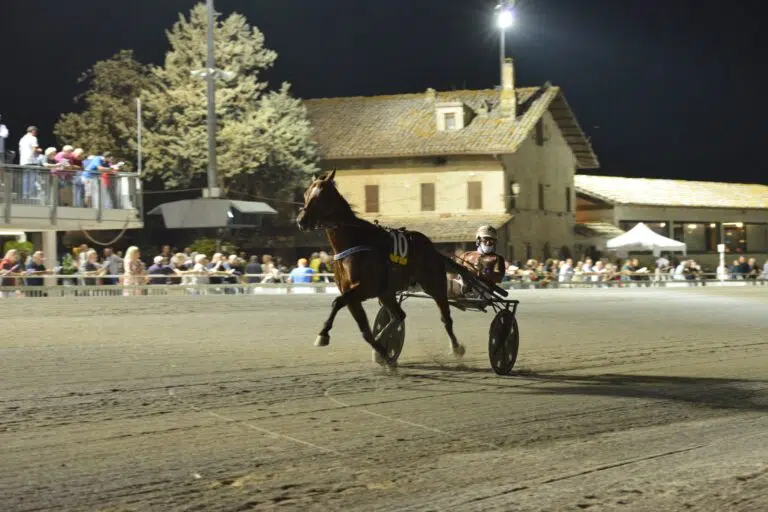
[323, 204]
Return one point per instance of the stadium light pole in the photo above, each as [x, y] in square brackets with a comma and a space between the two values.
[210, 74]
[505, 18]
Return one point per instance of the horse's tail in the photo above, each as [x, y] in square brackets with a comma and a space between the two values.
[469, 278]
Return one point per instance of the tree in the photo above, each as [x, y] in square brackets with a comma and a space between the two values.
[263, 140]
[108, 122]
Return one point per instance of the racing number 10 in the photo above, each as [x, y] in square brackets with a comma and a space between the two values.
[399, 248]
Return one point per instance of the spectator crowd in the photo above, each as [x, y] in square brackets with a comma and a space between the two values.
[191, 268]
[553, 271]
[83, 179]
[187, 267]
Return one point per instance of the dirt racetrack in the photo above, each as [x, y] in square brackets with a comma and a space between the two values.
[622, 399]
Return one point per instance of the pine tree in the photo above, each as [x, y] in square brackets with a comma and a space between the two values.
[108, 121]
[263, 139]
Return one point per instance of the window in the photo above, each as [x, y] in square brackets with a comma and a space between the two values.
[735, 238]
[427, 197]
[474, 195]
[371, 198]
[541, 196]
[693, 234]
[450, 121]
[568, 199]
[757, 237]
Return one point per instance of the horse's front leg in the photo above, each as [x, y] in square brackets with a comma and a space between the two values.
[323, 338]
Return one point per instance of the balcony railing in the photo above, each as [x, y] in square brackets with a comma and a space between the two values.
[56, 187]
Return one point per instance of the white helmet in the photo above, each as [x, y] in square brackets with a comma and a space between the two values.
[487, 232]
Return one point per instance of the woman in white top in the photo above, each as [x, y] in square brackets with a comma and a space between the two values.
[135, 271]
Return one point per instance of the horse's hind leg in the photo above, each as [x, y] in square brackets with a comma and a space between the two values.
[438, 290]
[323, 338]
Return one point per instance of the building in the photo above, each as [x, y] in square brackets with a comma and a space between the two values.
[701, 214]
[446, 162]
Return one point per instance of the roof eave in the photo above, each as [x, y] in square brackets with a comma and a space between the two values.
[414, 154]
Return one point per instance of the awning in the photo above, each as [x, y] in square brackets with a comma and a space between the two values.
[599, 229]
[444, 228]
[212, 213]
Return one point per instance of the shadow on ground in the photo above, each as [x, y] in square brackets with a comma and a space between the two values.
[741, 394]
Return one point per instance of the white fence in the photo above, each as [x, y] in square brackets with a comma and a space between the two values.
[76, 288]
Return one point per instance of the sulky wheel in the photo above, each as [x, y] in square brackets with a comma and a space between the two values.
[503, 342]
[394, 342]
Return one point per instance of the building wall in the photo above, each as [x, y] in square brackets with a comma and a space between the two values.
[399, 183]
[552, 165]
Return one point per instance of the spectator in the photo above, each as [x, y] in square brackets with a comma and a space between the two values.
[97, 180]
[91, 268]
[29, 149]
[215, 266]
[270, 270]
[36, 268]
[159, 272]
[302, 273]
[113, 265]
[79, 178]
[9, 266]
[199, 272]
[135, 273]
[253, 267]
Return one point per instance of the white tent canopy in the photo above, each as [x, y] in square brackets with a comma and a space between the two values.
[642, 238]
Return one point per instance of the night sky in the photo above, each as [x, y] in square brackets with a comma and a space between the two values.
[665, 89]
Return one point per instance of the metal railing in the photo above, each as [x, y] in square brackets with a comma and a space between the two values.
[78, 285]
[58, 186]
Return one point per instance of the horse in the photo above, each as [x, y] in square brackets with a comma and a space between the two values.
[373, 262]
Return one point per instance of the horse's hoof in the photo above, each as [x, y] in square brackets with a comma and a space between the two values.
[459, 350]
[378, 359]
[322, 341]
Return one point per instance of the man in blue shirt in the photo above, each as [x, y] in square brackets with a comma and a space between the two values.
[302, 273]
[100, 166]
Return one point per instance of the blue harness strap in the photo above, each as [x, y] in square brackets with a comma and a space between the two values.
[351, 251]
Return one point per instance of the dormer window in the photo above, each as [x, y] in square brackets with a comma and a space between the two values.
[452, 115]
[450, 121]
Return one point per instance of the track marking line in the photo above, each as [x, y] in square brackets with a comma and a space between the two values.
[173, 395]
[363, 410]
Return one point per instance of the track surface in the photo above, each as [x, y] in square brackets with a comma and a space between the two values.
[636, 399]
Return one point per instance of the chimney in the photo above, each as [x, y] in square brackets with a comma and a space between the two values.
[508, 97]
[430, 95]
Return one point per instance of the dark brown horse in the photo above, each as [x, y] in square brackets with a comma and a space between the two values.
[373, 262]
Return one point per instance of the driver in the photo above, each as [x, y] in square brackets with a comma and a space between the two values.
[485, 262]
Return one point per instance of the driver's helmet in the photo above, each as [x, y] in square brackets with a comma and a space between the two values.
[486, 232]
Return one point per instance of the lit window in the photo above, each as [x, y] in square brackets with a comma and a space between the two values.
[450, 121]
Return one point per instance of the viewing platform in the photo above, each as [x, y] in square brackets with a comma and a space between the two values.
[42, 199]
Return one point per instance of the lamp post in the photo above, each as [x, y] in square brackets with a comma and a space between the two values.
[210, 74]
[505, 18]
[3, 136]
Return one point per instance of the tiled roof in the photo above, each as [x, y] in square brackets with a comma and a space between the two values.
[603, 229]
[405, 125]
[443, 227]
[653, 192]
